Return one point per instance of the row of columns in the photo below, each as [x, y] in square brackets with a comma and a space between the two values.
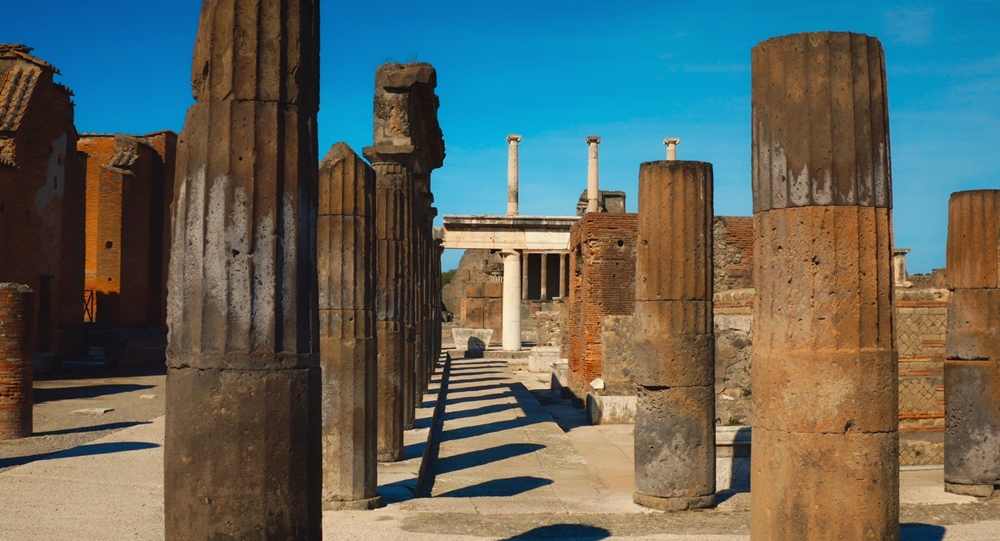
[303, 300]
[544, 274]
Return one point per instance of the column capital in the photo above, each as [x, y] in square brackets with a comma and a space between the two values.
[672, 141]
[593, 139]
[513, 138]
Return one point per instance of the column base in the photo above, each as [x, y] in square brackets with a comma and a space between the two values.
[673, 504]
[979, 491]
[353, 505]
[389, 457]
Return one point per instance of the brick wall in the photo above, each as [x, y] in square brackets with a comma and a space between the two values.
[921, 323]
[602, 283]
[733, 252]
[41, 196]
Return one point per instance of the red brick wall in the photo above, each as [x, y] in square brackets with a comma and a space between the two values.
[602, 283]
[733, 257]
[42, 206]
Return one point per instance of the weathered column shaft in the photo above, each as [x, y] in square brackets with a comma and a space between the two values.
[525, 257]
[593, 182]
[390, 201]
[826, 462]
[348, 358]
[972, 363]
[17, 309]
[512, 174]
[409, 304]
[242, 455]
[511, 301]
[675, 339]
[562, 276]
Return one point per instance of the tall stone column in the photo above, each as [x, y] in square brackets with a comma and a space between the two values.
[826, 454]
[408, 145]
[593, 182]
[348, 358]
[438, 302]
[972, 363]
[17, 309]
[674, 365]
[242, 456]
[512, 174]
[544, 277]
[525, 257]
[562, 275]
[511, 300]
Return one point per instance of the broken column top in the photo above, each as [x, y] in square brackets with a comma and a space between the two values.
[973, 255]
[406, 121]
[285, 71]
[820, 122]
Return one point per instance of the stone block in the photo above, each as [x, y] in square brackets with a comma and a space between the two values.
[473, 341]
[973, 254]
[474, 289]
[973, 325]
[610, 409]
[542, 358]
[493, 290]
[972, 422]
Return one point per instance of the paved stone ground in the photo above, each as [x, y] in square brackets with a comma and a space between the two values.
[507, 467]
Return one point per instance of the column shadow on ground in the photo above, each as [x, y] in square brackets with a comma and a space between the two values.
[80, 450]
[84, 391]
[920, 532]
[501, 488]
[576, 532]
[95, 428]
[482, 457]
[483, 429]
[492, 396]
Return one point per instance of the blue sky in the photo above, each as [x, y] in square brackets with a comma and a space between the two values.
[557, 71]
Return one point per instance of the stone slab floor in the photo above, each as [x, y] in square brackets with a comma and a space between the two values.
[506, 467]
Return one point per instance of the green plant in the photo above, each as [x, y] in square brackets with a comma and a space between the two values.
[448, 276]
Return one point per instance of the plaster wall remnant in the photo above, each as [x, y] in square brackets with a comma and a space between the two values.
[348, 358]
[972, 363]
[243, 454]
[408, 145]
[674, 345]
[593, 181]
[512, 174]
[17, 308]
[825, 458]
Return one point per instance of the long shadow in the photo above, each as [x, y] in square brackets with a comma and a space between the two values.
[87, 391]
[95, 428]
[456, 387]
[478, 398]
[80, 450]
[479, 380]
[488, 428]
[484, 456]
[576, 532]
[400, 491]
[920, 532]
[476, 412]
[499, 488]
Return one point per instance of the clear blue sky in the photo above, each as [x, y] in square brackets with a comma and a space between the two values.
[557, 71]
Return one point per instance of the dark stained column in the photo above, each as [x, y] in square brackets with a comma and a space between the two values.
[675, 341]
[826, 454]
[348, 357]
[408, 145]
[242, 458]
[17, 309]
[972, 364]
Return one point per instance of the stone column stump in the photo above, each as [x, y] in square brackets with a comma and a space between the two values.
[674, 345]
[825, 378]
[972, 363]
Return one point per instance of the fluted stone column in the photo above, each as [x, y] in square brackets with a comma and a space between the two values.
[511, 300]
[674, 366]
[17, 309]
[972, 364]
[825, 456]
[348, 358]
[408, 145]
[242, 457]
[593, 181]
[512, 174]
[438, 302]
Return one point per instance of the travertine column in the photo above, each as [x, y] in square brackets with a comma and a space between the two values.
[512, 174]
[544, 277]
[17, 308]
[826, 454]
[675, 338]
[242, 457]
[671, 143]
[593, 183]
[408, 145]
[562, 275]
[348, 359]
[511, 300]
[972, 364]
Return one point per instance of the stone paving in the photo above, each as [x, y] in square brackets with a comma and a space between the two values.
[508, 466]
